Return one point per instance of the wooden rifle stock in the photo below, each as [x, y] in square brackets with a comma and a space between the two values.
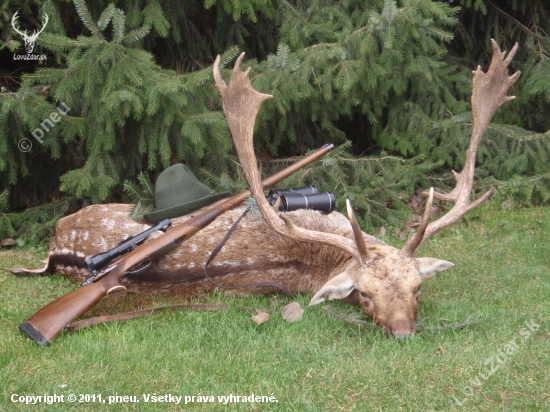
[49, 322]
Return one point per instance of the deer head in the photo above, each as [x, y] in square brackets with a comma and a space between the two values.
[29, 40]
[384, 280]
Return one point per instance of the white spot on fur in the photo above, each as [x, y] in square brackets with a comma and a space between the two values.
[102, 244]
[279, 271]
[231, 263]
[66, 251]
[130, 226]
[276, 258]
[108, 223]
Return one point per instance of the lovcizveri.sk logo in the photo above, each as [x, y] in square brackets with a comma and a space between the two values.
[29, 40]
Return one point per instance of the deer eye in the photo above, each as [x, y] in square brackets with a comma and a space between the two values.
[367, 299]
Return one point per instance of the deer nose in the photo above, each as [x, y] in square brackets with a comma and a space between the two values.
[400, 328]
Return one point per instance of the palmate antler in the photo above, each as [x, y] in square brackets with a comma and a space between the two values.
[488, 94]
[241, 104]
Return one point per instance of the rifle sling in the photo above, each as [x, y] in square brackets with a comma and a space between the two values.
[220, 246]
[73, 327]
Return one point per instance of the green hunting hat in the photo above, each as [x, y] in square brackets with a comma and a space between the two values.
[178, 192]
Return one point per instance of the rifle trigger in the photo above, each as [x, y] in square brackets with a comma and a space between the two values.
[141, 267]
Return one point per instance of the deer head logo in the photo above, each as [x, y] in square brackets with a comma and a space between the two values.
[29, 40]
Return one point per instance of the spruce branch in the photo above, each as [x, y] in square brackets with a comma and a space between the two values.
[85, 16]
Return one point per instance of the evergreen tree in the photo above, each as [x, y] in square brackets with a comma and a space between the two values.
[390, 80]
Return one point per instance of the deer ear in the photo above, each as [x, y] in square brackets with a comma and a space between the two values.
[429, 266]
[339, 287]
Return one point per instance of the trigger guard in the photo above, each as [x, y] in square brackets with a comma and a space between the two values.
[148, 263]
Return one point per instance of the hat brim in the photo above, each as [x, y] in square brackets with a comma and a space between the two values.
[180, 210]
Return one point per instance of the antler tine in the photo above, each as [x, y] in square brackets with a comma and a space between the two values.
[241, 104]
[358, 234]
[489, 92]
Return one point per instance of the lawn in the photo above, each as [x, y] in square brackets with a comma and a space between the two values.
[220, 361]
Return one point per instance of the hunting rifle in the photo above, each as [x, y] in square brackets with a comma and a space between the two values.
[49, 322]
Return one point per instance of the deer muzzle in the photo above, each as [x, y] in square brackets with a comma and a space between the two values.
[400, 327]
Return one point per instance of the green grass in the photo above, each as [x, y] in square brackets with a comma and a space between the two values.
[320, 363]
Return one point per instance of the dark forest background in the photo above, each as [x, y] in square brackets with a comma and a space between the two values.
[388, 81]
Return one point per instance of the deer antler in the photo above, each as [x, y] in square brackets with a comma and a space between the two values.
[36, 33]
[488, 94]
[241, 104]
[13, 21]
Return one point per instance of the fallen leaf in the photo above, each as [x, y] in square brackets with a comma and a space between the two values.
[415, 202]
[382, 231]
[261, 317]
[292, 312]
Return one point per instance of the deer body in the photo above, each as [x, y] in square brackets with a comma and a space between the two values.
[252, 254]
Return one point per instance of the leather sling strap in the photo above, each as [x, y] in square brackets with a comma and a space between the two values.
[217, 249]
[73, 327]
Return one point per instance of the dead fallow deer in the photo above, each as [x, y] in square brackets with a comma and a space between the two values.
[305, 251]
